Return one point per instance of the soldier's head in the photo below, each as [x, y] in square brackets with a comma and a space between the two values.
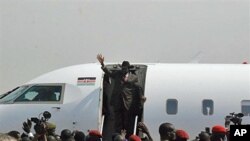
[134, 138]
[118, 138]
[65, 134]
[181, 135]
[15, 134]
[204, 136]
[79, 136]
[218, 133]
[94, 135]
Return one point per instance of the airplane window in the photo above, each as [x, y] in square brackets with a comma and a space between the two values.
[245, 107]
[172, 106]
[207, 107]
[13, 94]
[7, 93]
[30, 95]
[41, 93]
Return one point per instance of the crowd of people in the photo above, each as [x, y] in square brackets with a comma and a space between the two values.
[167, 132]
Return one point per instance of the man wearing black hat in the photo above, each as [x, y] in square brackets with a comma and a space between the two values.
[126, 96]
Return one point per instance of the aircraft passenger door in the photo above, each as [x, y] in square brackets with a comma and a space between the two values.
[82, 106]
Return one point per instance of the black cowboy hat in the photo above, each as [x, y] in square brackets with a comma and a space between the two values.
[126, 64]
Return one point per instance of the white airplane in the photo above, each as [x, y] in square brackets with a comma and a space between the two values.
[191, 96]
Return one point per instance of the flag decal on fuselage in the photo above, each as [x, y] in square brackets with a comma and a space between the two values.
[86, 81]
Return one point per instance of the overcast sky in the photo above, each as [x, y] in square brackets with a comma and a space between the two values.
[38, 36]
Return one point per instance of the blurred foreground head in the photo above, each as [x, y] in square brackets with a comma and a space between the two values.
[167, 131]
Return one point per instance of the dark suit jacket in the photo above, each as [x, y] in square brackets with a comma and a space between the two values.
[125, 94]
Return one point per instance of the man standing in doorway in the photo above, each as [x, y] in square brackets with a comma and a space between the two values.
[127, 96]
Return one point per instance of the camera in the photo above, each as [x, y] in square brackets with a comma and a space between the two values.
[234, 118]
[39, 126]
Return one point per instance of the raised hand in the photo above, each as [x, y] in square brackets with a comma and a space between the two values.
[27, 126]
[100, 58]
[143, 127]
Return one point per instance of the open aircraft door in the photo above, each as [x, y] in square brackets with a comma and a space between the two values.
[85, 111]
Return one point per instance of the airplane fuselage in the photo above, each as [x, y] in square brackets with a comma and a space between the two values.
[191, 96]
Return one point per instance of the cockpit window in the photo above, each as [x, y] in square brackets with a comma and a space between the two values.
[7, 93]
[9, 97]
[41, 93]
[34, 93]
